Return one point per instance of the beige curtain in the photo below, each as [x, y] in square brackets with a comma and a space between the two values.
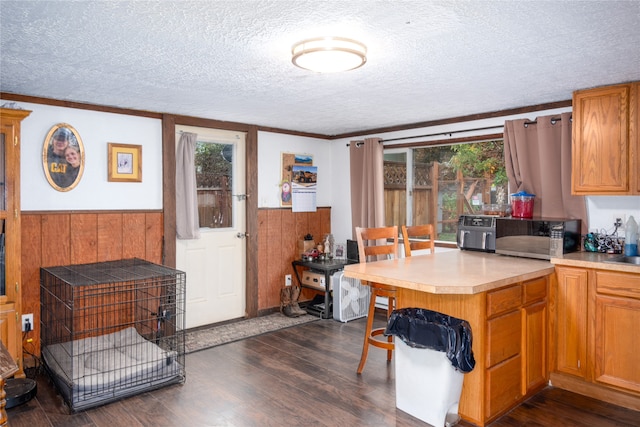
[367, 183]
[538, 160]
[187, 221]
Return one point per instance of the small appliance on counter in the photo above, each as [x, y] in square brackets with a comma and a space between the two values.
[541, 238]
[477, 233]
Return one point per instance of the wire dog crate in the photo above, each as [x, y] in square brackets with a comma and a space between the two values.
[113, 329]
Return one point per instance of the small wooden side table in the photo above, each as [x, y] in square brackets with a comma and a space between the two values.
[8, 367]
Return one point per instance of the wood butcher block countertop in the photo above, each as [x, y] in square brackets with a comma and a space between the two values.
[451, 272]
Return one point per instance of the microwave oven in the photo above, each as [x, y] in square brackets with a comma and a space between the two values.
[541, 238]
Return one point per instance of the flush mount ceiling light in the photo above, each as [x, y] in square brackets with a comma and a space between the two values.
[329, 54]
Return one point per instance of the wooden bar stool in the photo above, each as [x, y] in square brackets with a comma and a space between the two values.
[416, 237]
[372, 242]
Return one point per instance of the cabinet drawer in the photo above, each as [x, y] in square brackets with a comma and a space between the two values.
[618, 283]
[503, 300]
[503, 386]
[534, 290]
[503, 337]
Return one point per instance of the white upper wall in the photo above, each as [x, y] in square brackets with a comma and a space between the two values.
[270, 148]
[93, 192]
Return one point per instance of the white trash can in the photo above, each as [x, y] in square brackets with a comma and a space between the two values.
[427, 386]
[433, 352]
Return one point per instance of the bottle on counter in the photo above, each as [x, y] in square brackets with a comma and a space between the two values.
[631, 237]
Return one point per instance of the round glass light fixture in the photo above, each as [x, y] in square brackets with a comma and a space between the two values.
[329, 54]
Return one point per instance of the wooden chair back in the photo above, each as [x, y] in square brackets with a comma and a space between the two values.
[377, 241]
[420, 232]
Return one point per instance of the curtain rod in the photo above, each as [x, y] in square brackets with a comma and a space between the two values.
[553, 121]
[443, 133]
[359, 143]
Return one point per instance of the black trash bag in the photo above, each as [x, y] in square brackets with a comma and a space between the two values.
[422, 328]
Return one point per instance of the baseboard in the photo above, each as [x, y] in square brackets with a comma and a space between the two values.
[596, 391]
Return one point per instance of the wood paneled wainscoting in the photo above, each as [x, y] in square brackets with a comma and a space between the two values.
[279, 230]
[63, 238]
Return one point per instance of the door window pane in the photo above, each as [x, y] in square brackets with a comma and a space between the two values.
[214, 173]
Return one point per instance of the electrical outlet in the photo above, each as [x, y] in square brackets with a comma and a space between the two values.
[27, 322]
[287, 280]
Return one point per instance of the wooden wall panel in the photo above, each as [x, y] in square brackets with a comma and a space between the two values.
[325, 222]
[63, 238]
[289, 237]
[110, 237]
[84, 239]
[154, 237]
[263, 259]
[302, 225]
[314, 227]
[56, 240]
[279, 233]
[30, 271]
[134, 227]
[275, 264]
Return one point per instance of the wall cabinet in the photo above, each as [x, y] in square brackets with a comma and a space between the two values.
[10, 283]
[597, 315]
[606, 142]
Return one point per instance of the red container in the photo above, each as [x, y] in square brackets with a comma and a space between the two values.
[522, 205]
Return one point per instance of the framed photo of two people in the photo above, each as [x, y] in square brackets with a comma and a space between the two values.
[63, 157]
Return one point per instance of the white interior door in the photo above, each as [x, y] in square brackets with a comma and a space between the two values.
[215, 264]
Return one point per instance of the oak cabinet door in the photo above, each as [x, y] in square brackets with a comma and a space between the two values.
[8, 331]
[617, 342]
[534, 346]
[571, 321]
[601, 147]
[503, 386]
[503, 338]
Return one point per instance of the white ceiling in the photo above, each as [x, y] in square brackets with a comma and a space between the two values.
[231, 60]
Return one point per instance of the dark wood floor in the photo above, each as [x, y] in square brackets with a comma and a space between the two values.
[302, 376]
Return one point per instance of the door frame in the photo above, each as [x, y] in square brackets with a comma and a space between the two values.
[169, 122]
[408, 163]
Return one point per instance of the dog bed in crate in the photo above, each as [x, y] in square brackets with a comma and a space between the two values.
[93, 371]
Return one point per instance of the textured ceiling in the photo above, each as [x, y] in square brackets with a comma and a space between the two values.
[230, 60]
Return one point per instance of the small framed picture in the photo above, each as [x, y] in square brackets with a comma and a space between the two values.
[339, 251]
[125, 163]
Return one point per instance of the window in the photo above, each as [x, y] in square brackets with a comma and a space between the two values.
[214, 182]
[437, 184]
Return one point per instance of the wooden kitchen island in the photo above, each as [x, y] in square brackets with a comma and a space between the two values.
[504, 299]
